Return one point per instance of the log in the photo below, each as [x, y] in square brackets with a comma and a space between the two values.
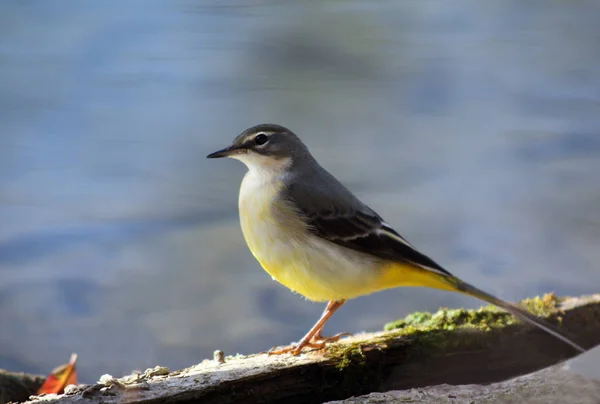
[551, 385]
[454, 347]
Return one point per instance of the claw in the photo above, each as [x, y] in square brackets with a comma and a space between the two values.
[294, 350]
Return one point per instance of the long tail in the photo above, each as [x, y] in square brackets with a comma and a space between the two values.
[513, 309]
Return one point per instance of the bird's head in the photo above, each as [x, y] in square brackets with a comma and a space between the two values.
[266, 145]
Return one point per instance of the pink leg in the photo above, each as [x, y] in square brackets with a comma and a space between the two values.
[313, 338]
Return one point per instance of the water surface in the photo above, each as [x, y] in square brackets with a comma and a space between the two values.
[471, 127]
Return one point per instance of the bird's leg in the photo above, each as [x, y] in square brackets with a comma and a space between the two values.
[318, 340]
[313, 338]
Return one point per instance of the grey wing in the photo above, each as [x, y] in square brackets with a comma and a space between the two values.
[337, 215]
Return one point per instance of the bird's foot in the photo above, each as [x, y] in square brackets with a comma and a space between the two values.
[317, 342]
[317, 339]
[293, 350]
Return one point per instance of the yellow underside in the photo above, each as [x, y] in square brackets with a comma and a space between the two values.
[320, 288]
[399, 274]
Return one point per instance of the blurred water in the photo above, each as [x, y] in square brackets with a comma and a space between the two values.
[471, 126]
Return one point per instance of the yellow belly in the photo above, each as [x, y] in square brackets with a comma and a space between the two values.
[316, 274]
[311, 266]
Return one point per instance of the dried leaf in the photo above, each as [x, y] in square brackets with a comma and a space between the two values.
[60, 378]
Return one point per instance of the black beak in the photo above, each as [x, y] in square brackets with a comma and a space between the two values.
[226, 152]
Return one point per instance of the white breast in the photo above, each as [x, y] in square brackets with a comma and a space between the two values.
[259, 216]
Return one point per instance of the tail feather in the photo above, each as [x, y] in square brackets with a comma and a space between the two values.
[513, 309]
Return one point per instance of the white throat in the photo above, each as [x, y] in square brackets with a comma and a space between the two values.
[264, 178]
[266, 167]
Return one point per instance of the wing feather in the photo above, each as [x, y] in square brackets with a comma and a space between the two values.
[356, 226]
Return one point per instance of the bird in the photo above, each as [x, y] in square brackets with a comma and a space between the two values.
[314, 236]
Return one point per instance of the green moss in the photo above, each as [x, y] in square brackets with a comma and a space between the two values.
[349, 355]
[484, 318]
[544, 306]
[428, 333]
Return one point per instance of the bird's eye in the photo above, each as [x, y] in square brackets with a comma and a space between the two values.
[261, 139]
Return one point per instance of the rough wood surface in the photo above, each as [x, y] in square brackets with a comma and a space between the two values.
[554, 385]
[359, 365]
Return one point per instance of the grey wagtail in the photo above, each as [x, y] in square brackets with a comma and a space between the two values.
[311, 234]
